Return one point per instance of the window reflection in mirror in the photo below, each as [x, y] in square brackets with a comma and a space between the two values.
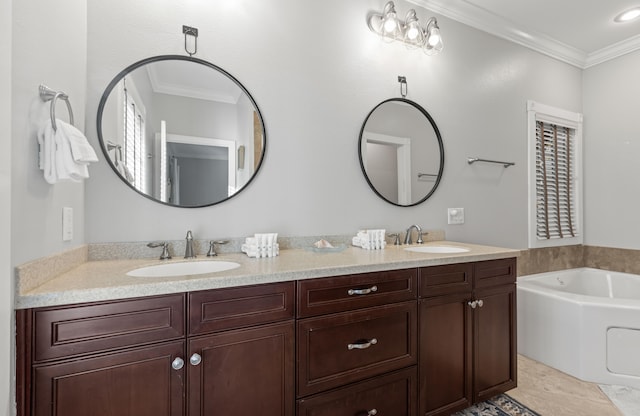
[401, 152]
[181, 131]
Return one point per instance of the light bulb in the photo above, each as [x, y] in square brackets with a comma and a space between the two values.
[412, 32]
[390, 23]
[434, 36]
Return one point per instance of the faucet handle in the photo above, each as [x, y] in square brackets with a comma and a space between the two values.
[212, 248]
[165, 249]
[396, 241]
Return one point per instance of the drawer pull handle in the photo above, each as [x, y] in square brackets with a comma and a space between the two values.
[195, 359]
[372, 412]
[480, 303]
[362, 345]
[177, 364]
[366, 291]
[473, 304]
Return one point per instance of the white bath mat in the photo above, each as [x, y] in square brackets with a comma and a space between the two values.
[626, 399]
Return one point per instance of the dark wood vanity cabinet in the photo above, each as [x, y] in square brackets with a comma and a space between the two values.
[467, 334]
[232, 354]
[426, 341]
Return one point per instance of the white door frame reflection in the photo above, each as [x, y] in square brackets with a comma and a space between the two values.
[209, 154]
[381, 154]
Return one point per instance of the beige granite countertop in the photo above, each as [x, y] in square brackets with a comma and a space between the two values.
[107, 279]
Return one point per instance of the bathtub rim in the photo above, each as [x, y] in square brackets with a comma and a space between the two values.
[528, 283]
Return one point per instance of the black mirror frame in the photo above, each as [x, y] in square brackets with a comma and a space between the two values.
[440, 145]
[136, 65]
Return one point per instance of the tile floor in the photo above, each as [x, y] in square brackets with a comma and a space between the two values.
[553, 393]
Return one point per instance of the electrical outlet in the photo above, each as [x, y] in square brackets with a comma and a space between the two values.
[455, 216]
[67, 224]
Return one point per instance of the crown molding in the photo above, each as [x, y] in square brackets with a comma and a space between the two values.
[613, 51]
[486, 21]
[183, 90]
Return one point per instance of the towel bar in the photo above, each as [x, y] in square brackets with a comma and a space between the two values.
[47, 94]
[471, 160]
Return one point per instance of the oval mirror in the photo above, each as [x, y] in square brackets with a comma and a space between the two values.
[181, 131]
[401, 152]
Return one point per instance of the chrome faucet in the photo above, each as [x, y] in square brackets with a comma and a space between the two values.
[407, 238]
[188, 251]
[165, 249]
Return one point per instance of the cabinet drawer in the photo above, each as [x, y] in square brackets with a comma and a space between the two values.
[345, 293]
[221, 309]
[494, 272]
[444, 280]
[87, 328]
[393, 394]
[347, 347]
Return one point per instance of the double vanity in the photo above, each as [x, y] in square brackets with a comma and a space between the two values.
[356, 332]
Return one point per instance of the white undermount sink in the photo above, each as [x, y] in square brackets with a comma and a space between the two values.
[184, 268]
[437, 249]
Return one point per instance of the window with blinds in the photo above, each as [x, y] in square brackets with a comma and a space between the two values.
[555, 196]
[554, 176]
[134, 140]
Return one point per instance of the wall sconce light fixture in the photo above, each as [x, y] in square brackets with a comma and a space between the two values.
[408, 31]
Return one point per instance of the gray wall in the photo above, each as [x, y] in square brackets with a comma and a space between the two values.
[611, 152]
[52, 53]
[314, 92]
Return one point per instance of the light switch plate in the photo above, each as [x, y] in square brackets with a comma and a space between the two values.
[67, 224]
[455, 216]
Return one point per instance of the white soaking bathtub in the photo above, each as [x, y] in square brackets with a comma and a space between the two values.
[584, 322]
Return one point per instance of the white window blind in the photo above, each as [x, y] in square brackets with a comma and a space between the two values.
[555, 195]
[134, 140]
[555, 173]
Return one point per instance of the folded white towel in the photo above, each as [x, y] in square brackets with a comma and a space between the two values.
[56, 156]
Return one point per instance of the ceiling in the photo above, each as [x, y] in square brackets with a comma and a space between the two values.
[581, 33]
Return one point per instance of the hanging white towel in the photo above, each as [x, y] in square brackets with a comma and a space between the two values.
[56, 156]
[81, 150]
[66, 167]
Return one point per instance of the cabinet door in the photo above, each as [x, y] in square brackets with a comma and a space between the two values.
[445, 354]
[137, 382]
[243, 372]
[495, 341]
